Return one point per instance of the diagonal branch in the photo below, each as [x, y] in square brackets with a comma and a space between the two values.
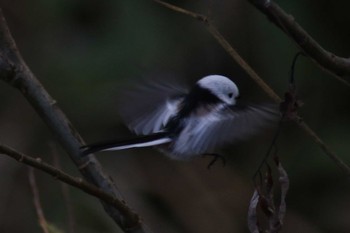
[227, 47]
[16, 73]
[263, 85]
[130, 216]
[339, 67]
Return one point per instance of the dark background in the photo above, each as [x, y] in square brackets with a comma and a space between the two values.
[85, 52]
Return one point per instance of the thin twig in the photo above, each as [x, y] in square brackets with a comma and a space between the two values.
[339, 162]
[335, 65]
[266, 88]
[131, 221]
[235, 55]
[200, 17]
[65, 192]
[36, 200]
[268, 152]
[227, 47]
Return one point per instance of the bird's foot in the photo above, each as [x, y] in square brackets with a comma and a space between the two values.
[215, 158]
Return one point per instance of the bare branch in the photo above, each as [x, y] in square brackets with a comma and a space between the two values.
[36, 200]
[235, 55]
[183, 11]
[131, 219]
[337, 66]
[263, 85]
[15, 72]
[227, 47]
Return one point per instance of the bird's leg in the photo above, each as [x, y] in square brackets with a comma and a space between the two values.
[215, 158]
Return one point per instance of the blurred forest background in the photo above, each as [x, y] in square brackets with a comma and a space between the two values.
[86, 51]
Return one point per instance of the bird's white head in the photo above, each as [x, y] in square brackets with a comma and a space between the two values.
[221, 86]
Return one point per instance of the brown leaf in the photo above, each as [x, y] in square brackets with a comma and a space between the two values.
[253, 222]
[281, 210]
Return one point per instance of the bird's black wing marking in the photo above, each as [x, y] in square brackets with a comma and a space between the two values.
[147, 108]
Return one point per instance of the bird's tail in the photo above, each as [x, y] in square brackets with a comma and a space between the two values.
[143, 141]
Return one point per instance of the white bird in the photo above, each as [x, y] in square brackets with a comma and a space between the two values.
[189, 124]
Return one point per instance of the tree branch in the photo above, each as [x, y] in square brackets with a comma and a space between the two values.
[264, 86]
[337, 66]
[36, 200]
[15, 72]
[130, 219]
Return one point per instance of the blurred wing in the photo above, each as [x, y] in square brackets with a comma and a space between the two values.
[228, 125]
[147, 108]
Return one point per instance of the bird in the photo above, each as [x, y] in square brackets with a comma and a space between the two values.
[185, 124]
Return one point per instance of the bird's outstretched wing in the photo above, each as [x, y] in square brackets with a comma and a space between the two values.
[147, 108]
[204, 133]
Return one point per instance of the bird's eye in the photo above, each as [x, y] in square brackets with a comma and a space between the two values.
[230, 95]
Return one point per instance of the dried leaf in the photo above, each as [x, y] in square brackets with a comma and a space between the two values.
[269, 181]
[253, 223]
[290, 105]
[264, 198]
[265, 205]
[284, 182]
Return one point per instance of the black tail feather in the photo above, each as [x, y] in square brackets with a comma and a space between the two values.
[89, 149]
